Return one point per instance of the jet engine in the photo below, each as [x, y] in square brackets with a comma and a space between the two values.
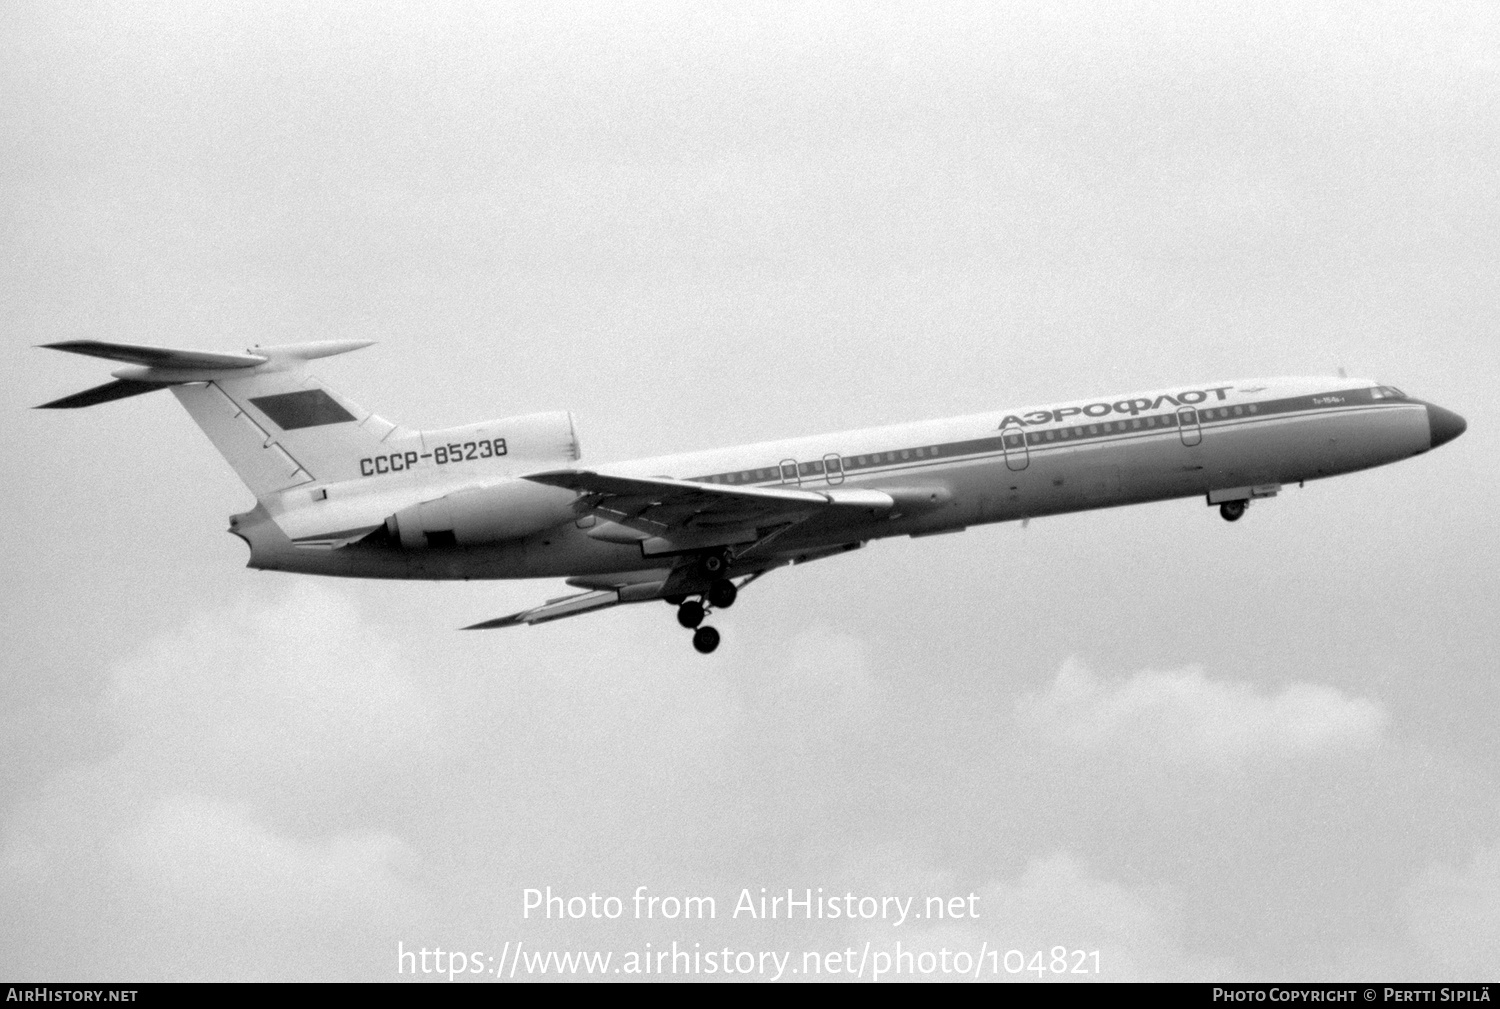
[503, 511]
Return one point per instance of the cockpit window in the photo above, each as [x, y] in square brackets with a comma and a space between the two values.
[1386, 392]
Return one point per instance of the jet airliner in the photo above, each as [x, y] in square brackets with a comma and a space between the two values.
[341, 491]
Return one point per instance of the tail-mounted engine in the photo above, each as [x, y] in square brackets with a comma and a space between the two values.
[509, 510]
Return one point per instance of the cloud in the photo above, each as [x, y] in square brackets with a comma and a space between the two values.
[1055, 902]
[296, 696]
[189, 852]
[195, 888]
[1455, 916]
[293, 791]
[304, 673]
[1184, 716]
[230, 834]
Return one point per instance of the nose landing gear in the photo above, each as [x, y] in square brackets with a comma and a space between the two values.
[1232, 510]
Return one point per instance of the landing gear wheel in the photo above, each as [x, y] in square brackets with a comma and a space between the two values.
[1232, 510]
[674, 600]
[722, 593]
[705, 639]
[715, 564]
[690, 614]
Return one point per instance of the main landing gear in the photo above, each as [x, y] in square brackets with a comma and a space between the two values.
[705, 639]
[691, 612]
[722, 594]
[1232, 510]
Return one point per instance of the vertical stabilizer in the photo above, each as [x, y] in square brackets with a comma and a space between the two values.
[275, 424]
[282, 428]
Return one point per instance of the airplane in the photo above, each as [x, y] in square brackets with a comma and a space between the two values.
[341, 491]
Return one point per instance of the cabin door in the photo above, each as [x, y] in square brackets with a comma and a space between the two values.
[833, 469]
[1017, 455]
[1187, 426]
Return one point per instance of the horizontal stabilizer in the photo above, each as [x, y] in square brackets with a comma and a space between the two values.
[157, 357]
[119, 389]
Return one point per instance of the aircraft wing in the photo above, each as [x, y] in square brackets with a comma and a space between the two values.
[668, 516]
[604, 591]
[686, 511]
[554, 609]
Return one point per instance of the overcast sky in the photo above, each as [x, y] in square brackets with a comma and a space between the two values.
[1258, 751]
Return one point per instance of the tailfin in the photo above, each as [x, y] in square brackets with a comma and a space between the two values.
[276, 425]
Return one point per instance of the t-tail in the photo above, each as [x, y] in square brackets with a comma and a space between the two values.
[275, 424]
[281, 428]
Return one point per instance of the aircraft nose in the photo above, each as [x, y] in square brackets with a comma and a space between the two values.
[1445, 425]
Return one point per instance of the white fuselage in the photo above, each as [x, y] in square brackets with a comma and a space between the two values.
[1226, 441]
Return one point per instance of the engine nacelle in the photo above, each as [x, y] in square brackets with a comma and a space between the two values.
[508, 510]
